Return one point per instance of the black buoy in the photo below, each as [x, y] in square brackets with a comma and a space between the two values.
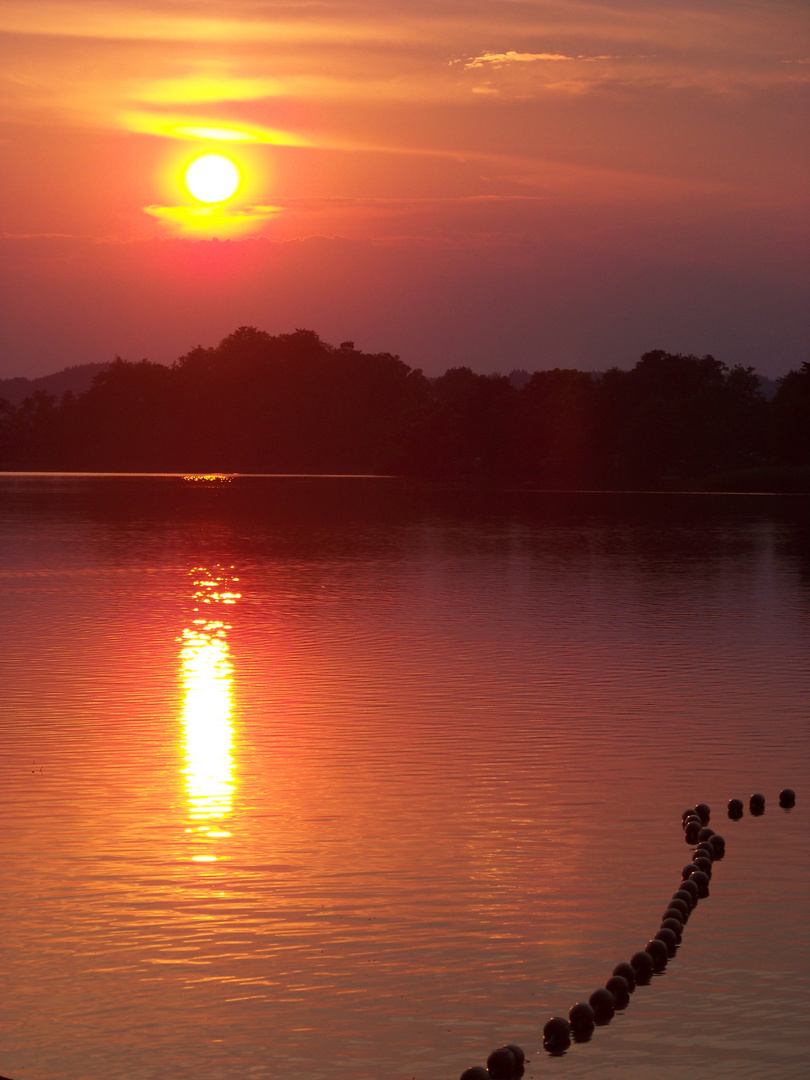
[669, 939]
[582, 1019]
[603, 1004]
[702, 882]
[756, 804]
[700, 862]
[703, 812]
[718, 845]
[626, 971]
[685, 898]
[691, 832]
[787, 798]
[620, 988]
[641, 963]
[556, 1035]
[690, 886]
[735, 809]
[477, 1072]
[705, 833]
[687, 814]
[687, 871]
[705, 848]
[501, 1064]
[676, 915]
[693, 818]
[658, 953]
[682, 903]
[675, 926]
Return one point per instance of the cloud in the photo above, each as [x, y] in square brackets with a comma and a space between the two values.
[207, 87]
[88, 62]
[501, 59]
[179, 126]
[219, 221]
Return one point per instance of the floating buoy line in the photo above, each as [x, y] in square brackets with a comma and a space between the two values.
[508, 1062]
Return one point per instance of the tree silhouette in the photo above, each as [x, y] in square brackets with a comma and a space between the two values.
[790, 418]
[293, 403]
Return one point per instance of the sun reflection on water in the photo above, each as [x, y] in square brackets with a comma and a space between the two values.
[207, 715]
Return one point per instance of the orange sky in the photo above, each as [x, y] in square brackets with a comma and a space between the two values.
[503, 184]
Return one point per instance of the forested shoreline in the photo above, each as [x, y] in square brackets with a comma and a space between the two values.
[293, 403]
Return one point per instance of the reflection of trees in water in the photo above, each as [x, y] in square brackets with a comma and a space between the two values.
[161, 519]
[794, 548]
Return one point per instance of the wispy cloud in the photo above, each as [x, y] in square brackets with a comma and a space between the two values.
[194, 23]
[501, 59]
[207, 87]
[201, 221]
[184, 126]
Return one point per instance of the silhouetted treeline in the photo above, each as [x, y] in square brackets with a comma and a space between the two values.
[292, 403]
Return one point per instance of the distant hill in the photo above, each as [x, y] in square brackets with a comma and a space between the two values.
[77, 379]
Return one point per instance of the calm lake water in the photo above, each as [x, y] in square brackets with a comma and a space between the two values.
[345, 778]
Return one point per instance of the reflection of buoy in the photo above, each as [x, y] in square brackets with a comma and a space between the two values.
[603, 1004]
[477, 1072]
[501, 1063]
[703, 812]
[582, 1020]
[626, 971]
[735, 809]
[787, 798]
[620, 988]
[641, 963]
[556, 1035]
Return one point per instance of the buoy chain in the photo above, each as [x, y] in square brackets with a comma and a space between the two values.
[508, 1062]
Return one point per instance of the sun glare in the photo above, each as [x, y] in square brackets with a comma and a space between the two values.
[208, 728]
[212, 178]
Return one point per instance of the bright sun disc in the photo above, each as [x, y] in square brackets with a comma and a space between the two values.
[212, 178]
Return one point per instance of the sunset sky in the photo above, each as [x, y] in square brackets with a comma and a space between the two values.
[498, 183]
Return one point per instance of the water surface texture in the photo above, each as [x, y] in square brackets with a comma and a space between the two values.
[317, 778]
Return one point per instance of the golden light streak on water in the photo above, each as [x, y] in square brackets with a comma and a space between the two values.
[207, 715]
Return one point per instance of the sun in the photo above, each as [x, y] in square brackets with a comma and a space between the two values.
[212, 178]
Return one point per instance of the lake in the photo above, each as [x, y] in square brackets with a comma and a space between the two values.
[352, 777]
